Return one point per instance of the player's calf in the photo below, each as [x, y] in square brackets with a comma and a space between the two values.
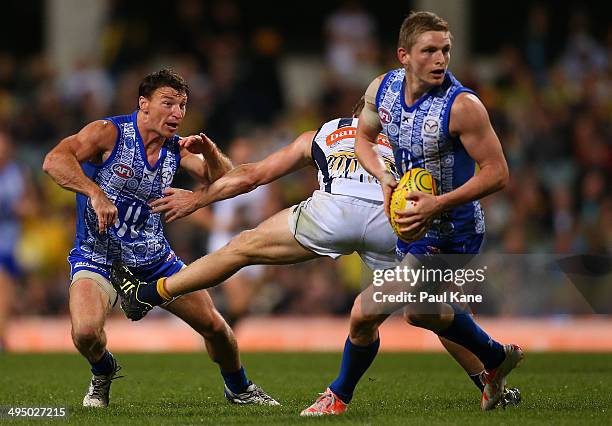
[430, 321]
[364, 324]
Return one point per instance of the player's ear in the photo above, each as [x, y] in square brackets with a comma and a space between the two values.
[143, 104]
[402, 55]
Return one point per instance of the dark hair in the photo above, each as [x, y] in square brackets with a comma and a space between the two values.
[162, 78]
[416, 24]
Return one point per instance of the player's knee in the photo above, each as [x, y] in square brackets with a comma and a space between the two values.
[420, 319]
[246, 245]
[85, 335]
[212, 325]
[361, 320]
[357, 315]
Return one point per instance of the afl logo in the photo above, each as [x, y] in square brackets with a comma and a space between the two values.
[385, 116]
[430, 126]
[123, 171]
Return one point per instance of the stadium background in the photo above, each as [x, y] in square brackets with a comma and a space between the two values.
[260, 74]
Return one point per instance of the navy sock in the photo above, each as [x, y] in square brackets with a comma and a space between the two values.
[476, 379]
[355, 361]
[148, 293]
[104, 366]
[464, 331]
[237, 381]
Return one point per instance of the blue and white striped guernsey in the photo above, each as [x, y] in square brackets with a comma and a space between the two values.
[130, 182]
[420, 137]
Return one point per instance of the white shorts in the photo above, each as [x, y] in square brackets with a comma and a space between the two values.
[334, 225]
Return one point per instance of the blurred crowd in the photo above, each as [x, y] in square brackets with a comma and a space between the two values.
[552, 114]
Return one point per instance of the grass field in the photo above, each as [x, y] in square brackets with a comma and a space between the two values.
[398, 389]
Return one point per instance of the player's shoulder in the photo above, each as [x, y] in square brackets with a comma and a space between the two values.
[103, 126]
[373, 91]
[100, 128]
[101, 132]
[340, 122]
[375, 84]
[467, 104]
[342, 126]
[467, 111]
[399, 72]
[382, 76]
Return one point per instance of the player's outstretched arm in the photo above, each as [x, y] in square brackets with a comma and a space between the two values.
[202, 159]
[178, 203]
[62, 164]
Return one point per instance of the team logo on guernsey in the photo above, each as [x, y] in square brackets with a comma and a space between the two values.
[129, 142]
[430, 126]
[340, 134]
[123, 171]
[385, 116]
[166, 177]
[342, 162]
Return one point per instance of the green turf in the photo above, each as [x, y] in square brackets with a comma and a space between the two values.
[398, 389]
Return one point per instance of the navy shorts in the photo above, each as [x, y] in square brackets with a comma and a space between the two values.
[165, 267]
[427, 246]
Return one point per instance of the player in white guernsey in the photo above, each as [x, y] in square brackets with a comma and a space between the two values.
[344, 216]
[434, 122]
[116, 166]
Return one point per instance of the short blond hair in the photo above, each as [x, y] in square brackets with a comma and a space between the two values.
[416, 24]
